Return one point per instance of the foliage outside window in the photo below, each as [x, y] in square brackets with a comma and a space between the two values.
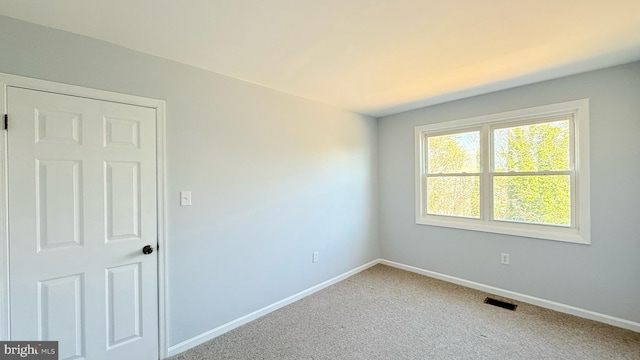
[523, 173]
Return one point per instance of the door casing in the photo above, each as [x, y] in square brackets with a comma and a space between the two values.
[7, 80]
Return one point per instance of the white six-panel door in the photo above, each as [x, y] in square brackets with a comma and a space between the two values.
[81, 207]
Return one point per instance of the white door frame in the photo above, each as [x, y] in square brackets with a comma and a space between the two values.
[7, 80]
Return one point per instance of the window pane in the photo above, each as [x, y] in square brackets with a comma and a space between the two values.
[454, 153]
[454, 196]
[535, 147]
[533, 199]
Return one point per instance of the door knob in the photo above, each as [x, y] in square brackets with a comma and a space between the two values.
[147, 250]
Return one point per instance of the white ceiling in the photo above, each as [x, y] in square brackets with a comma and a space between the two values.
[375, 57]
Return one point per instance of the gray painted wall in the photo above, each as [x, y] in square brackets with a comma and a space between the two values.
[274, 177]
[602, 277]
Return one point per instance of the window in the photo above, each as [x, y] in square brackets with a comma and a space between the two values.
[523, 172]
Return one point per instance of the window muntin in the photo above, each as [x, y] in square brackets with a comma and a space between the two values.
[523, 172]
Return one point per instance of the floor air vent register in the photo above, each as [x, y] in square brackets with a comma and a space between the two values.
[500, 303]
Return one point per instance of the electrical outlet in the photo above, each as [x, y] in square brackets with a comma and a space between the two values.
[315, 256]
[504, 258]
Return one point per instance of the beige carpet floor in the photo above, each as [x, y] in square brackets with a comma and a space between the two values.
[386, 313]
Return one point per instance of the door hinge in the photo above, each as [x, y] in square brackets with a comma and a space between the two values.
[6, 121]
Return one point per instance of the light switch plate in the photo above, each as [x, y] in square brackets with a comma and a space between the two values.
[185, 198]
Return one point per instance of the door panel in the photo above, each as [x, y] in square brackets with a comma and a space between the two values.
[122, 182]
[125, 309]
[121, 132]
[58, 204]
[82, 205]
[55, 126]
[60, 313]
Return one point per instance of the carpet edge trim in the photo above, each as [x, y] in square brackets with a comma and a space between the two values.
[213, 333]
[548, 304]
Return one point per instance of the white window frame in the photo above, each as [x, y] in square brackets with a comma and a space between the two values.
[579, 232]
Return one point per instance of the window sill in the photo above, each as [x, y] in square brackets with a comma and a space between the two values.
[524, 230]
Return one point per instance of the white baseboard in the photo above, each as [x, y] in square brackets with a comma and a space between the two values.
[208, 335]
[552, 305]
